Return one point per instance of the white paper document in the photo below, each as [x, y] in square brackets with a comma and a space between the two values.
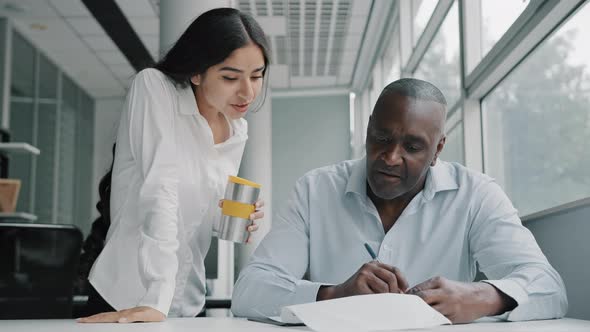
[376, 312]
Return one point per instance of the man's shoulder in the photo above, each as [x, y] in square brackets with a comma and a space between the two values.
[332, 173]
[466, 178]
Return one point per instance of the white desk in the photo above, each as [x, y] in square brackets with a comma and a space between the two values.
[237, 324]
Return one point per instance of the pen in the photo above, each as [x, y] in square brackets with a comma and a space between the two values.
[371, 252]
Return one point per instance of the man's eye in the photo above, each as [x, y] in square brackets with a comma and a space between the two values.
[413, 148]
[382, 139]
[227, 78]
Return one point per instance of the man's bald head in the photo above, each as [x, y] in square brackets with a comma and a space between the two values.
[416, 89]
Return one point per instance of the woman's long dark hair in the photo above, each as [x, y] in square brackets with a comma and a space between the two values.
[95, 241]
[208, 40]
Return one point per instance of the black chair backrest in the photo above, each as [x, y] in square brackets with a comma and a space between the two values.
[38, 266]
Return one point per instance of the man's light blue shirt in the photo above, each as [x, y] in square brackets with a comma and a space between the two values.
[460, 218]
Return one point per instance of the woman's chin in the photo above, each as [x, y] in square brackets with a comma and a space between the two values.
[235, 115]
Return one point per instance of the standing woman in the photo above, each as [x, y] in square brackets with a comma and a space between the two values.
[181, 134]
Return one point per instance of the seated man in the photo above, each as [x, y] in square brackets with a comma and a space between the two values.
[430, 222]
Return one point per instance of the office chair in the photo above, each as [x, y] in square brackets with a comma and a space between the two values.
[38, 265]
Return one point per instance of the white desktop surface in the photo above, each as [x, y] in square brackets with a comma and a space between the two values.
[222, 324]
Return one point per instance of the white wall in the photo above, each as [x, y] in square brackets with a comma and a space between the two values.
[563, 237]
[307, 132]
[257, 166]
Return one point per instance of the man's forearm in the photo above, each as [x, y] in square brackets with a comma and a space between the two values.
[492, 301]
[325, 292]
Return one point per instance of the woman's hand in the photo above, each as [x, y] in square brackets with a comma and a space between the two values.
[137, 314]
[258, 214]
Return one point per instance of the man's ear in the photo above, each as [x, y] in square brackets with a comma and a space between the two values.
[196, 80]
[439, 148]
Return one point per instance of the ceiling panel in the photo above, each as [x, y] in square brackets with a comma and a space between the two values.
[145, 25]
[123, 71]
[100, 43]
[68, 7]
[314, 43]
[56, 28]
[136, 8]
[279, 76]
[85, 25]
[361, 8]
[314, 39]
[313, 82]
[273, 25]
[46, 29]
[152, 43]
[28, 8]
[112, 57]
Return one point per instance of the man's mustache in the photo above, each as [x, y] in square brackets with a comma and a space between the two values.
[391, 171]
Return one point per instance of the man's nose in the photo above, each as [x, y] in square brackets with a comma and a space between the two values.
[393, 156]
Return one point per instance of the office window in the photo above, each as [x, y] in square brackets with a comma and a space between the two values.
[366, 111]
[20, 165]
[454, 145]
[84, 162]
[378, 79]
[372, 95]
[537, 122]
[4, 27]
[441, 63]
[23, 67]
[46, 162]
[453, 150]
[496, 17]
[391, 59]
[47, 79]
[423, 10]
[67, 152]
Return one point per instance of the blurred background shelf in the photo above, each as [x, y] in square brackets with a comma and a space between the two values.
[18, 148]
[22, 216]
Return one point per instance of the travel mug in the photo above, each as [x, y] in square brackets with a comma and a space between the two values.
[238, 205]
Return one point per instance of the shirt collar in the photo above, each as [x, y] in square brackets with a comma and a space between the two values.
[440, 177]
[187, 105]
[357, 181]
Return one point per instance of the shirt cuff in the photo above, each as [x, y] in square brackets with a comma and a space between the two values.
[158, 296]
[515, 291]
[306, 291]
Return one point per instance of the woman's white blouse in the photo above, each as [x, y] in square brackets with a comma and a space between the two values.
[167, 180]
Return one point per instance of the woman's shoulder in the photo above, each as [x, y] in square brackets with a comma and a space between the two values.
[151, 77]
[153, 87]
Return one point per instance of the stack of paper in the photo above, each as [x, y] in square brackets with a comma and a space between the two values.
[376, 312]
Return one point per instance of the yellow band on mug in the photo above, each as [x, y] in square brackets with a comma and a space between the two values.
[237, 209]
[243, 181]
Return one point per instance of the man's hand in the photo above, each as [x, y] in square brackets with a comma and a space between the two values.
[137, 314]
[463, 302]
[371, 278]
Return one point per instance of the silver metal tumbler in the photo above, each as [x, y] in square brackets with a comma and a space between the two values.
[238, 204]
